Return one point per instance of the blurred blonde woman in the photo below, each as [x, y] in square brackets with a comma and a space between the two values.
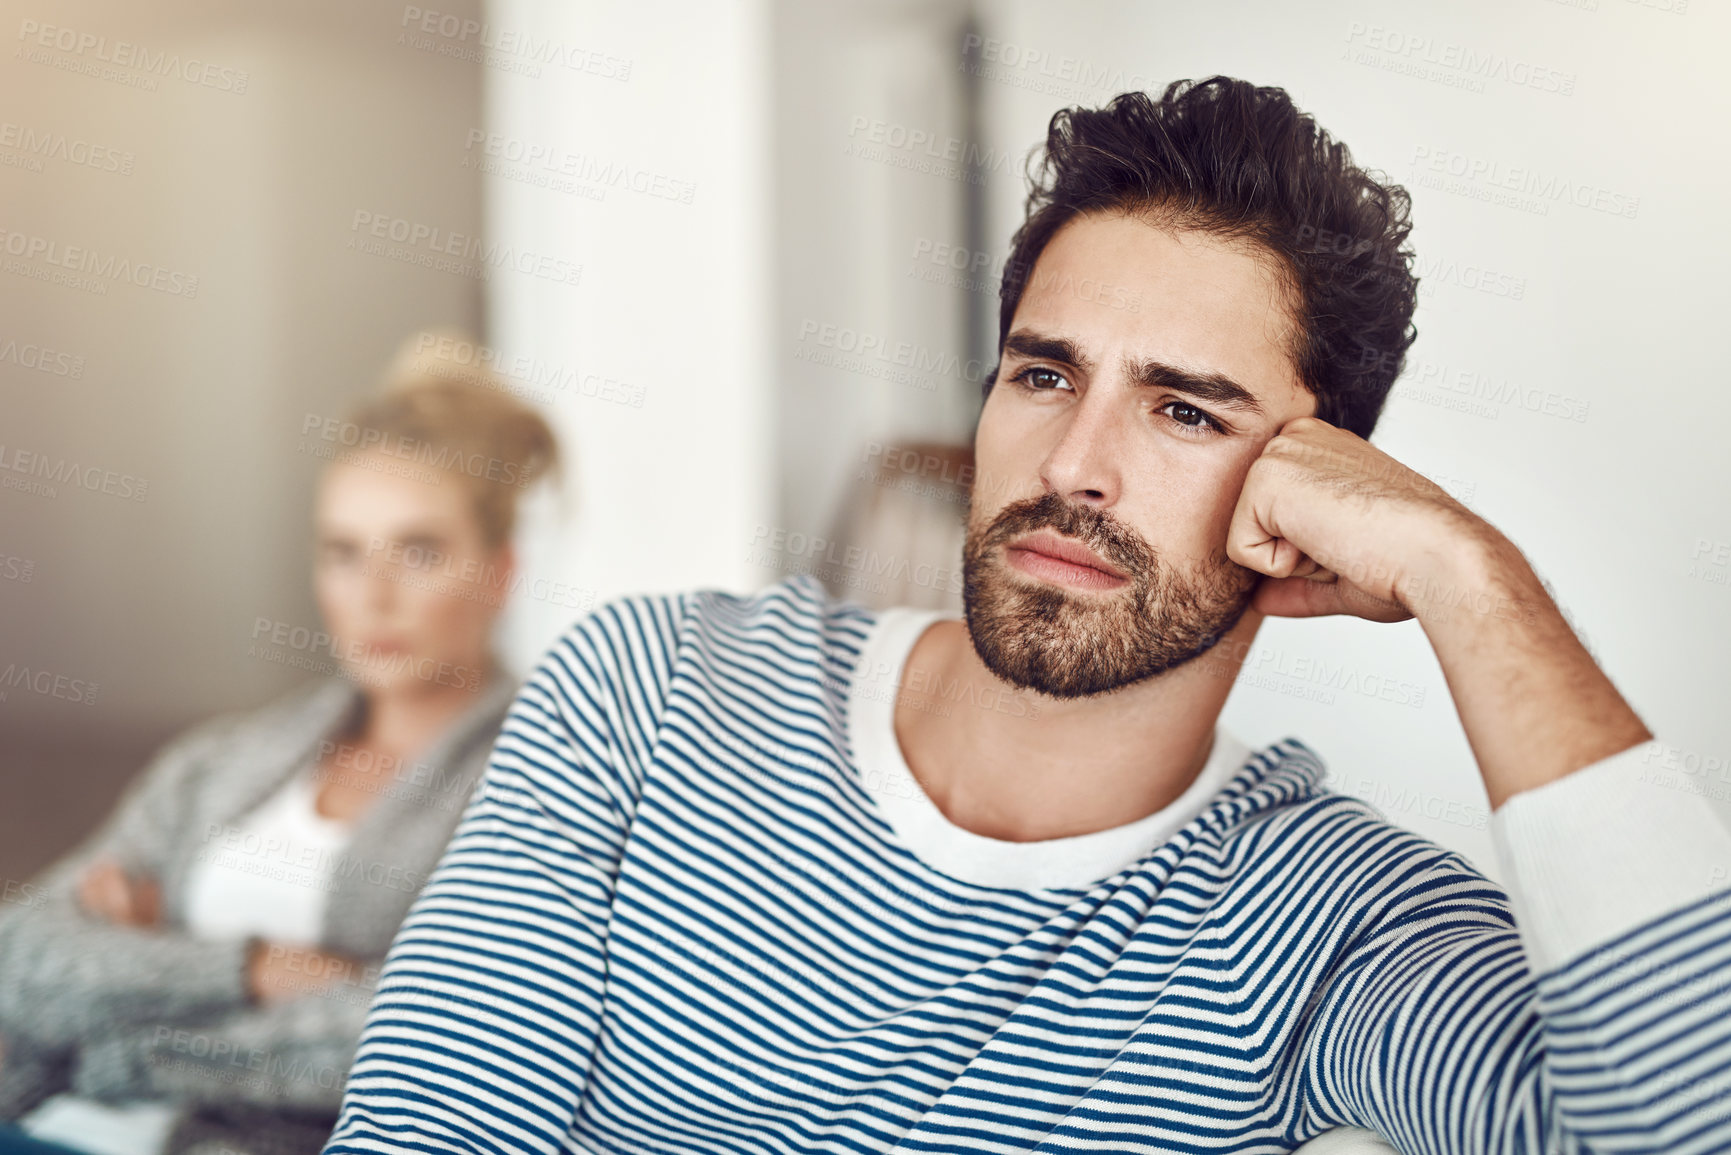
[198, 973]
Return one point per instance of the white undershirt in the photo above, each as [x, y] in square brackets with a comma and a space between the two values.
[1055, 862]
[269, 874]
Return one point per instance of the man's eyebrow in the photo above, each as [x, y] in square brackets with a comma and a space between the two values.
[1217, 388]
[1039, 347]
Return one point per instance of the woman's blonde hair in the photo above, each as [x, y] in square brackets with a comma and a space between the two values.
[441, 406]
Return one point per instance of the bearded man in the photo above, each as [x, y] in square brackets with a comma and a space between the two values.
[727, 889]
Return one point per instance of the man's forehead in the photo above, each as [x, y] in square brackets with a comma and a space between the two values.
[1116, 287]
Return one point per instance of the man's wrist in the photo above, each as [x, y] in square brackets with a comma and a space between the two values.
[1534, 702]
[1469, 576]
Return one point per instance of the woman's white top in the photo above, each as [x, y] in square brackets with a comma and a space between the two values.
[270, 874]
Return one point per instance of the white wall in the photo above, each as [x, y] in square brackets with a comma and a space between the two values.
[671, 313]
[1619, 314]
[852, 210]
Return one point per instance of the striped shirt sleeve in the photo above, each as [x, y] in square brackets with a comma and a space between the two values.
[1601, 1022]
[480, 1036]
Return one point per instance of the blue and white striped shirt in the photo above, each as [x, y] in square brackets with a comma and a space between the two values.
[675, 919]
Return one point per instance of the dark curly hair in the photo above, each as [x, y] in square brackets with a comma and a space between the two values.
[1236, 161]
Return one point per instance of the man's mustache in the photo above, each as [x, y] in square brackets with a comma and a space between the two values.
[1097, 529]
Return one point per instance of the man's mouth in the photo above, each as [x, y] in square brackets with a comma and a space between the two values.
[1063, 561]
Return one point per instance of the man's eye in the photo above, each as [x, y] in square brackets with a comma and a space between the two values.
[1039, 379]
[1192, 420]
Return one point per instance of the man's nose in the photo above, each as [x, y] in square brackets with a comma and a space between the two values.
[1083, 464]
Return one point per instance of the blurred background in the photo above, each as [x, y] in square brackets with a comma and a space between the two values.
[745, 255]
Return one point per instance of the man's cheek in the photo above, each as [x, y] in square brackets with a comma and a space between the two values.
[1192, 514]
[1012, 440]
[998, 479]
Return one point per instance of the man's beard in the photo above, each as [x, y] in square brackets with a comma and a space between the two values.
[1070, 644]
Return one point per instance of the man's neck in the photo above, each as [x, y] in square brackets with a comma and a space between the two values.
[1056, 768]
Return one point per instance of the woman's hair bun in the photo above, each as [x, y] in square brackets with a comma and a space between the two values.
[442, 403]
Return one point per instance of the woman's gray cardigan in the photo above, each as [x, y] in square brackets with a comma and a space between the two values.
[122, 1013]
